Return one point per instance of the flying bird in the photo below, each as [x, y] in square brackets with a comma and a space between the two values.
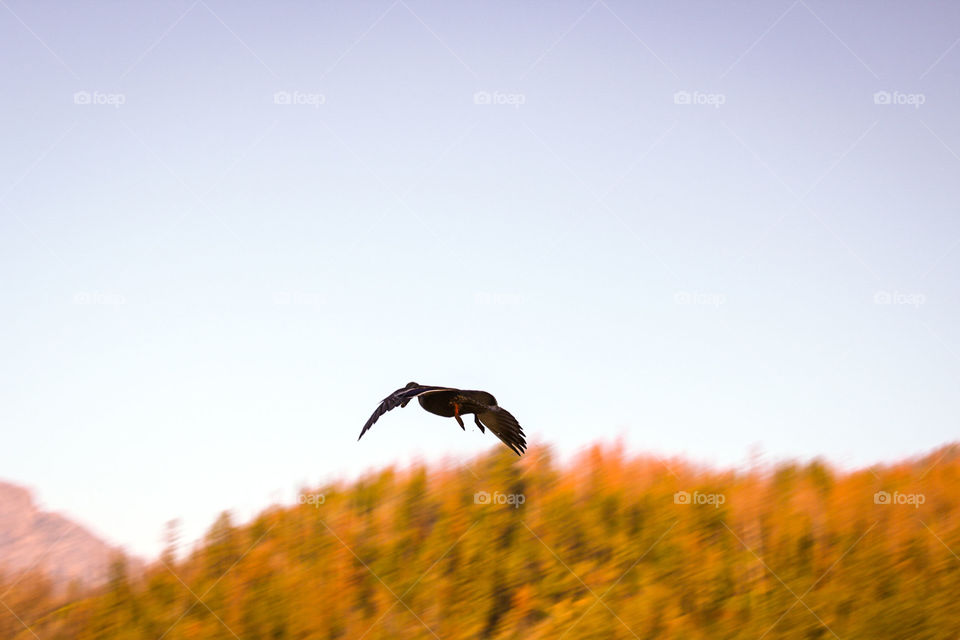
[453, 403]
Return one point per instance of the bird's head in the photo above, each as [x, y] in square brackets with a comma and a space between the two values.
[411, 385]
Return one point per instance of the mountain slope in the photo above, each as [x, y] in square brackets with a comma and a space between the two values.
[31, 538]
[606, 546]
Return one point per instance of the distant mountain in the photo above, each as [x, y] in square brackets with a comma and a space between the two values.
[30, 538]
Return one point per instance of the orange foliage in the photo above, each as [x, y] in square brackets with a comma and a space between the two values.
[607, 547]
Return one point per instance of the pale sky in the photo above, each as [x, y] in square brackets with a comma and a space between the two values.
[228, 230]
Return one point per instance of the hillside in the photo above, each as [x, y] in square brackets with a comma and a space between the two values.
[47, 542]
[607, 547]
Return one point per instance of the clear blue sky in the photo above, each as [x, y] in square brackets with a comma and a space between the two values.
[206, 291]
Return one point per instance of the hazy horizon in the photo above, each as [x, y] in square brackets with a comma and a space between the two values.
[755, 461]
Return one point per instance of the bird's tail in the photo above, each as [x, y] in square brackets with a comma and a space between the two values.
[505, 426]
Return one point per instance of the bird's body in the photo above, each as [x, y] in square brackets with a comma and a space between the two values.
[444, 403]
[453, 403]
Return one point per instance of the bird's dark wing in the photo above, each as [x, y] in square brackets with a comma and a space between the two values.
[400, 398]
[504, 426]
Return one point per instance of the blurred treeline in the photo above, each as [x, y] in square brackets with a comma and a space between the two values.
[598, 549]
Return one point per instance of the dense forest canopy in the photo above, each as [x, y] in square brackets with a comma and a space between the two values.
[609, 546]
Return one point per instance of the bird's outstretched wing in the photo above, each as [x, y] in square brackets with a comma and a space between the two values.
[400, 398]
[504, 426]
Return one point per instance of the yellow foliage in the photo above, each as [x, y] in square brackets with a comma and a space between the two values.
[606, 547]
